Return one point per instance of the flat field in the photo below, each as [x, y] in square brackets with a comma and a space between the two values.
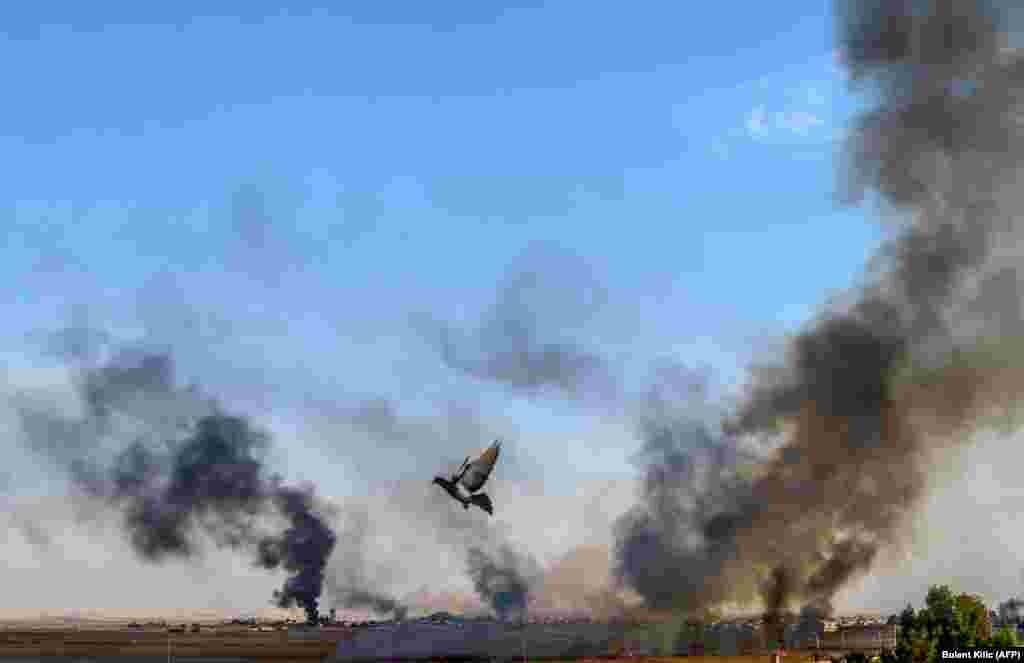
[224, 644]
[227, 645]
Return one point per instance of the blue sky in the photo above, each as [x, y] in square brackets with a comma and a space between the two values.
[402, 156]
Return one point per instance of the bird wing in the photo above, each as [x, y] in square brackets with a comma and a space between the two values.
[477, 472]
[461, 471]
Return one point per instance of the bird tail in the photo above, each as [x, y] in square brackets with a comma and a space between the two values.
[483, 501]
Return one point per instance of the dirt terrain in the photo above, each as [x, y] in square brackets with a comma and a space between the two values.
[234, 644]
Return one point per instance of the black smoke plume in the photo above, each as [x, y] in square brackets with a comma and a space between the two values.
[190, 473]
[504, 579]
[302, 550]
[876, 384]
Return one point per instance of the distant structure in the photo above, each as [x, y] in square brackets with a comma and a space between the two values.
[444, 635]
[871, 638]
[775, 637]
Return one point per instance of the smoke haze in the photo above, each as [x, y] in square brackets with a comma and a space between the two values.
[857, 424]
[525, 340]
[504, 579]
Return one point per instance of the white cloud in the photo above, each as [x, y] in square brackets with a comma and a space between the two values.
[799, 122]
[803, 121]
[756, 121]
[793, 108]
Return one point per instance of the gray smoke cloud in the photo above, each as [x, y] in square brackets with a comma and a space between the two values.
[874, 385]
[503, 575]
[33, 532]
[349, 584]
[261, 246]
[1010, 610]
[407, 442]
[504, 579]
[181, 473]
[525, 339]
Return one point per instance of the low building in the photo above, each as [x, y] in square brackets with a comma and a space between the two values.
[870, 637]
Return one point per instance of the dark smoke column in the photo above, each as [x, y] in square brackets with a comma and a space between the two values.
[503, 580]
[942, 148]
[190, 475]
[216, 483]
[302, 549]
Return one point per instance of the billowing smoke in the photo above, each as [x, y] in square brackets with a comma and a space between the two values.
[502, 575]
[349, 583]
[406, 443]
[30, 530]
[1010, 611]
[503, 579]
[876, 384]
[302, 550]
[525, 340]
[190, 473]
[579, 584]
[819, 465]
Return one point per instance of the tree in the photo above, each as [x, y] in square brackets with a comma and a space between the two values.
[909, 635]
[941, 617]
[907, 620]
[948, 621]
[923, 651]
[975, 622]
[951, 621]
[1003, 638]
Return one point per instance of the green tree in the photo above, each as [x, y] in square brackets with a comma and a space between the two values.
[947, 621]
[908, 632]
[889, 656]
[923, 651]
[1004, 637]
[974, 621]
[953, 621]
[941, 618]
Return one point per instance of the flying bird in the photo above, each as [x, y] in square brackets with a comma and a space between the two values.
[471, 477]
